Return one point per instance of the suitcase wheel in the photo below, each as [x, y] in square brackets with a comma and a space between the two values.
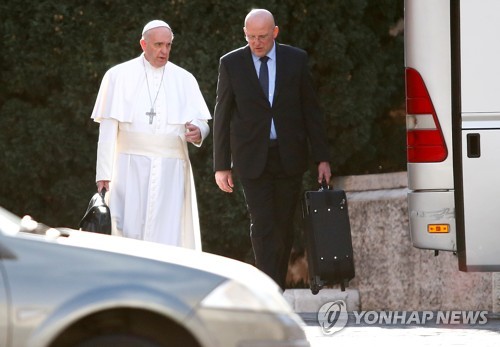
[343, 284]
[315, 289]
[316, 285]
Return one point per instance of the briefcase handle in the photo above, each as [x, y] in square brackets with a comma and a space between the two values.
[103, 192]
[324, 186]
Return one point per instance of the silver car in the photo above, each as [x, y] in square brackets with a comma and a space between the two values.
[62, 287]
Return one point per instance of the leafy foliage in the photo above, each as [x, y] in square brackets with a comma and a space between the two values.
[55, 54]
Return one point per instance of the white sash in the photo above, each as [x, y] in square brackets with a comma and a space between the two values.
[168, 146]
[156, 145]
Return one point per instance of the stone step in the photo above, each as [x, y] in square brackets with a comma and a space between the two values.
[303, 301]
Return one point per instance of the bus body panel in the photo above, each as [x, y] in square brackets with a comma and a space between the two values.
[432, 208]
[427, 27]
[480, 133]
[463, 190]
[480, 55]
[481, 176]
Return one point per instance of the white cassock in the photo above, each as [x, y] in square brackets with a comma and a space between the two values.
[152, 195]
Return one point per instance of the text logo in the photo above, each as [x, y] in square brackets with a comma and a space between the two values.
[332, 317]
[421, 318]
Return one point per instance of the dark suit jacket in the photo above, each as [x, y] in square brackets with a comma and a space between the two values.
[242, 117]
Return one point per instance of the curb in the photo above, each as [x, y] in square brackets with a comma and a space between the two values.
[303, 301]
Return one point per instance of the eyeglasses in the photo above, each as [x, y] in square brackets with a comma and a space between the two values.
[253, 38]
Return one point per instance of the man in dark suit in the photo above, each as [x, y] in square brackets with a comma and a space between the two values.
[266, 117]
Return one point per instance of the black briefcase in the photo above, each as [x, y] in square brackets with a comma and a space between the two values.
[328, 238]
[97, 218]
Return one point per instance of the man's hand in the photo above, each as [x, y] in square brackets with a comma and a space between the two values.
[193, 133]
[324, 172]
[224, 180]
[102, 184]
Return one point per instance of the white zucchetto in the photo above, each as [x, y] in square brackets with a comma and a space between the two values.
[155, 24]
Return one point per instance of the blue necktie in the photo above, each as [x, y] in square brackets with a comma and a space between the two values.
[264, 75]
[264, 83]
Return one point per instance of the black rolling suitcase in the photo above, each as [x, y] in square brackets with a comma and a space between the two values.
[328, 238]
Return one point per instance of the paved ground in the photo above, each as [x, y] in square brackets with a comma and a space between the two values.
[407, 335]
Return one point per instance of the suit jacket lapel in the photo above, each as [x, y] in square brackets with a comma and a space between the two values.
[279, 72]
[250, 68]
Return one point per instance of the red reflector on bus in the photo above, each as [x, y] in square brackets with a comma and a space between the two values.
[425, 141]
[421, 138]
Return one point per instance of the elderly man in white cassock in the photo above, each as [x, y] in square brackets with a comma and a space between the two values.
[149, 109]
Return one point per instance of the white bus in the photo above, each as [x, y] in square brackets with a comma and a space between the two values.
[452, 62]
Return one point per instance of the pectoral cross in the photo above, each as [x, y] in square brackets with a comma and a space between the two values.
[151, 114]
